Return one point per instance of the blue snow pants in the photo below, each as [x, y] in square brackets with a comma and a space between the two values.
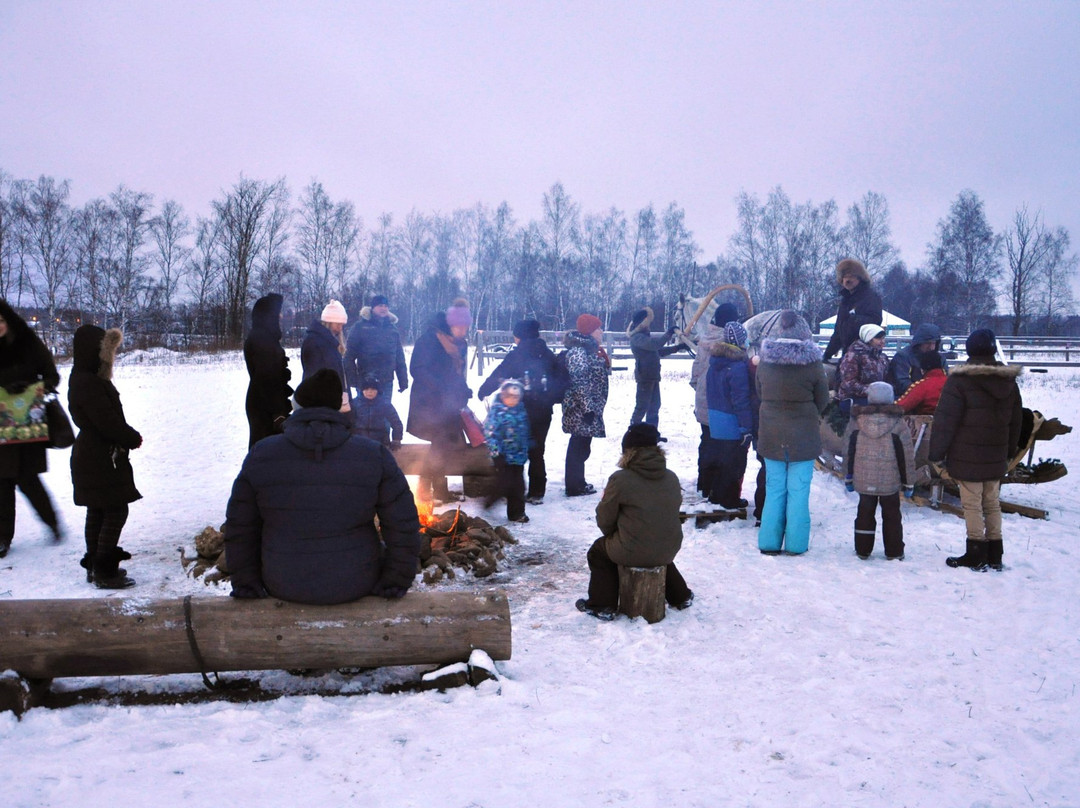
[785, 520]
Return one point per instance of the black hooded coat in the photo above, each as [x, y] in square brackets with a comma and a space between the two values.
[23, 359]
[268, 370]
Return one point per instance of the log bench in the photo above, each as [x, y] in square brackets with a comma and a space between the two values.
[472, 464]
[642, 592]
[47, 639]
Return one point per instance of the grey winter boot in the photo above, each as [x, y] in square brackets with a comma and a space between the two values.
[995, 549]
[975, 557]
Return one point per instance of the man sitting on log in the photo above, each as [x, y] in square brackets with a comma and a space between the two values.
[639, 516]
[300, 524]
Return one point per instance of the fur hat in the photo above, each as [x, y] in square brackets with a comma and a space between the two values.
[870, 331]
[527, 329]
[369, 382]
[378, 300]
[852, 266]
[879, 393]
[724, 314]
[735, 334]
[321, 389]
[587, 323]
[792, 326]
[458, 314]
[640, 320]
[981, 342]
[641, 434]
[930, 360]
[334, 312]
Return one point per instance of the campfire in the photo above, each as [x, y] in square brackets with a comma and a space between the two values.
[455, 539]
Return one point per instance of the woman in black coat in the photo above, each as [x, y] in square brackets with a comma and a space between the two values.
[439, 392]
[24, 360]
[101, 475]
[268, 392]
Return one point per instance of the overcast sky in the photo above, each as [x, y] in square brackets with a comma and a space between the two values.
[437, 106]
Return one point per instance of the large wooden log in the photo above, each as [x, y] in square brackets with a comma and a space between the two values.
[468, 460]
[45, 639]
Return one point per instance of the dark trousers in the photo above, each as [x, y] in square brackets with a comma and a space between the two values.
[103, 528]
[604, 579]
[510, 483]
[443, 446]
[705, 462]
[728, 464]
[759, 489]
[34, 491]
[578, 450]
[892, 527]
[539, 424]
[647, 403]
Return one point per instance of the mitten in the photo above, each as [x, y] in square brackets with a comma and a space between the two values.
[849, 484]
[909, 491]
[403, 388]
[395, 445]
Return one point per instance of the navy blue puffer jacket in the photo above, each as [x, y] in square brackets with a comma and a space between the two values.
[300, 523]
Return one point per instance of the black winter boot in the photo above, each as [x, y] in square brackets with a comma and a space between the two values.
[994, 550]
[975, 557]
[107, 573]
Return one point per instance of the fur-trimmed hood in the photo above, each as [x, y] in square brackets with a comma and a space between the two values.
[94, 350]
[970, 368]
[644, 324]
[727, 350]
[790, 351]
[365, 314]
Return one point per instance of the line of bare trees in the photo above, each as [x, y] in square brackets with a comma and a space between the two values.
[118, 260]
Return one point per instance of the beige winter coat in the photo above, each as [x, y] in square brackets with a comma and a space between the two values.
[873, 460]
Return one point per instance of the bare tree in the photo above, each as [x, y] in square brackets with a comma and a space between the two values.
[558, 233]
[867, 234]
[1027, 247]
[1058, 273]
[679, 254]
[204, 277]
[170, 228]
[128, 283]
[644, 254]
[327, 238]
[248, 222]
[966, 248]
[95, 234]
[47, 219]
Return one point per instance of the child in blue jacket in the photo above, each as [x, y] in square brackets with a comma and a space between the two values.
[374, 416]
[729, 394]
[506, 430]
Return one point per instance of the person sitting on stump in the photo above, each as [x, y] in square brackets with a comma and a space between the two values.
[638, 515]
[300, 523]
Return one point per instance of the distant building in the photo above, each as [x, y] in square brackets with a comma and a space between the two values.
[894, 326]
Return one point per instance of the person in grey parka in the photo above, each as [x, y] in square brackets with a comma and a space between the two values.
[879, 462]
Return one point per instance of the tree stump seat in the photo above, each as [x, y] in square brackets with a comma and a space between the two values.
[642, 592]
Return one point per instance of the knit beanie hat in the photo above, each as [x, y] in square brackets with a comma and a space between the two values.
[640, 316]
[724, 314]
[379, 300]
[527, 329]
[735, 334]
[870, 331]
[458, 314]
[641, 434]
[792, 326]
[321, 389]
[587, 323]
[879, 393]
[369, 382]
[931, 360]
[334, 312]
[982, 342]
[512, 386]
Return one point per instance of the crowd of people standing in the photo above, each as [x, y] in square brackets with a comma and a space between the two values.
[769, 397]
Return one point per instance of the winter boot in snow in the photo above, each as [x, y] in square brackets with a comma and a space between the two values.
[975, 557]
[994, 551]
[107, 573]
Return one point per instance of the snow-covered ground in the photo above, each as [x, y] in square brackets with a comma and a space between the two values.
[792, 681]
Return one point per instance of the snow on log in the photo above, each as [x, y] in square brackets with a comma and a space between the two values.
[45, 639]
